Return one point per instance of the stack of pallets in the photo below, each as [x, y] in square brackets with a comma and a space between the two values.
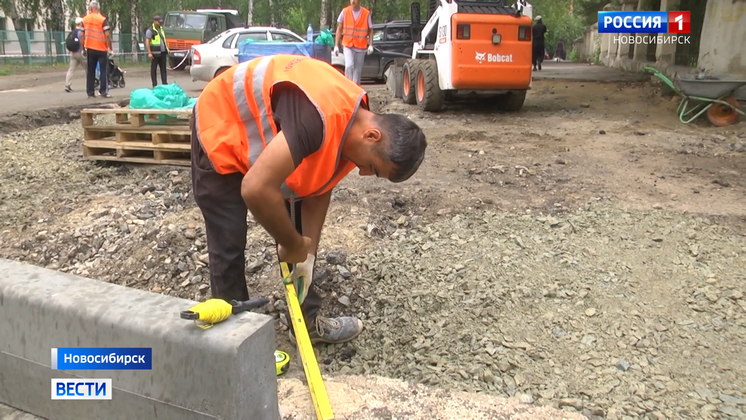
[156, 136]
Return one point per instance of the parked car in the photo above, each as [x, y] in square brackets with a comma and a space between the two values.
[390, 40]
[221, 52]
[193, 27]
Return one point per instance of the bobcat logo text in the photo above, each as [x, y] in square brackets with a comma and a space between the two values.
[493, 58]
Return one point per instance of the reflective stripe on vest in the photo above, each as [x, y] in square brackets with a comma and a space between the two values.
[259, 137]
[355, 32]
[93, 23]
[156, 39]
[234, 118]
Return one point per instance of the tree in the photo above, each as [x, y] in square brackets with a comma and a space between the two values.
[567, 20]
[15, 9]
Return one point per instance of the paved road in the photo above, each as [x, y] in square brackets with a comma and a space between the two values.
[582, 72]
[30, 92]
[47, 90]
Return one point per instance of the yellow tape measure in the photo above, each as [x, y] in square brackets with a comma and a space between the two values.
[282, 361]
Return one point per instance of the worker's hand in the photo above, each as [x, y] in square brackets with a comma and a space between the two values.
[370, 49]
[150, 56]
[336, 50]
[297, 254]
[303, 276]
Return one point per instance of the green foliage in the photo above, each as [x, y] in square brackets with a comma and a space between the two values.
[573, 56]
[561, 24]
[296, 14]
[588, 10]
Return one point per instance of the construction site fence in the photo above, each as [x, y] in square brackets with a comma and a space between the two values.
[37, 48]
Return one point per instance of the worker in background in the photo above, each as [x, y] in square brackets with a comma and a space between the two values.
[97, 43]
[355, 30]
[155, 42]
[559, 51]
[318, 127]
[76, 53]
[538, 49]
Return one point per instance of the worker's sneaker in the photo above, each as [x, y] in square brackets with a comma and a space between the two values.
[68, 88]
[333, 330]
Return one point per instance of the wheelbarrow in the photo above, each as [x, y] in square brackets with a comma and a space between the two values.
[711, 96]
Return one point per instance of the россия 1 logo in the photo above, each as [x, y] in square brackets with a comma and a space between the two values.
[644, 22]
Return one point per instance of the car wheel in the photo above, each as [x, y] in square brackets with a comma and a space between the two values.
[220, 71]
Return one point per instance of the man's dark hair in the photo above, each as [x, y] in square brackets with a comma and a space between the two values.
[405, 144]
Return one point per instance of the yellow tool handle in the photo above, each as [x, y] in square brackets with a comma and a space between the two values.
[305, 348]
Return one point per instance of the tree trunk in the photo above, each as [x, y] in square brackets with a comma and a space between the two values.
[250, 17]
[271, 14]
[324, 24]
[135, 32]
[15, 17]
[56, 27]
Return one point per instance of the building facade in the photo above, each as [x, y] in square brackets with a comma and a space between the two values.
[716, 42]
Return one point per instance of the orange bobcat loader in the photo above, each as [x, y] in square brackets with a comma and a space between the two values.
[469, 50]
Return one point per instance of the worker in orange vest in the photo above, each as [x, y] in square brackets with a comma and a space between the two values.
[97, 44]
[282, 131]
[355, 31]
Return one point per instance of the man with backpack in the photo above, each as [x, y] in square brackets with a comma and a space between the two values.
[73, 44]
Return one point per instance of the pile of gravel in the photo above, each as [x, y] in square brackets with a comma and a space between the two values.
[609, 312]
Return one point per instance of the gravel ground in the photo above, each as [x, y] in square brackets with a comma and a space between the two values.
[586, 253]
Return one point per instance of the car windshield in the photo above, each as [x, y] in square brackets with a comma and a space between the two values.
[185, 21]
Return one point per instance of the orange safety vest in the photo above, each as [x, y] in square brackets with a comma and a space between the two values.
[234, 121]
[355, 32]
[95, 38]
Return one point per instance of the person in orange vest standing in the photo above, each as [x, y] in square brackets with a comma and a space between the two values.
[274, 136]
[97, 44]
[355, 31]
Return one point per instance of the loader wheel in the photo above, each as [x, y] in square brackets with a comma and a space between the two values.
[722, 115]
[429, 96]
[408, 80]
[512, 102]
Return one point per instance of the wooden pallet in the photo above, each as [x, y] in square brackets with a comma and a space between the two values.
[139, 136]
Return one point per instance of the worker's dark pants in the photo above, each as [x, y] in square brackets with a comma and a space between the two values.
[102, 59]
[219, 198]
[537, 53]
[159, 60]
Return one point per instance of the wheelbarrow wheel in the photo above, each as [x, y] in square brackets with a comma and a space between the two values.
[723, 115]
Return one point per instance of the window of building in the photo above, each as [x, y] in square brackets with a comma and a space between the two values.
[28, 26]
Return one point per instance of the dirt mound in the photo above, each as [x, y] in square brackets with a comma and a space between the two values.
[586, 252]
[29, 120]
[377, 398]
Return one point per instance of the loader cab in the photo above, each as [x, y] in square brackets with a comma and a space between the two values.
[391, 40]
